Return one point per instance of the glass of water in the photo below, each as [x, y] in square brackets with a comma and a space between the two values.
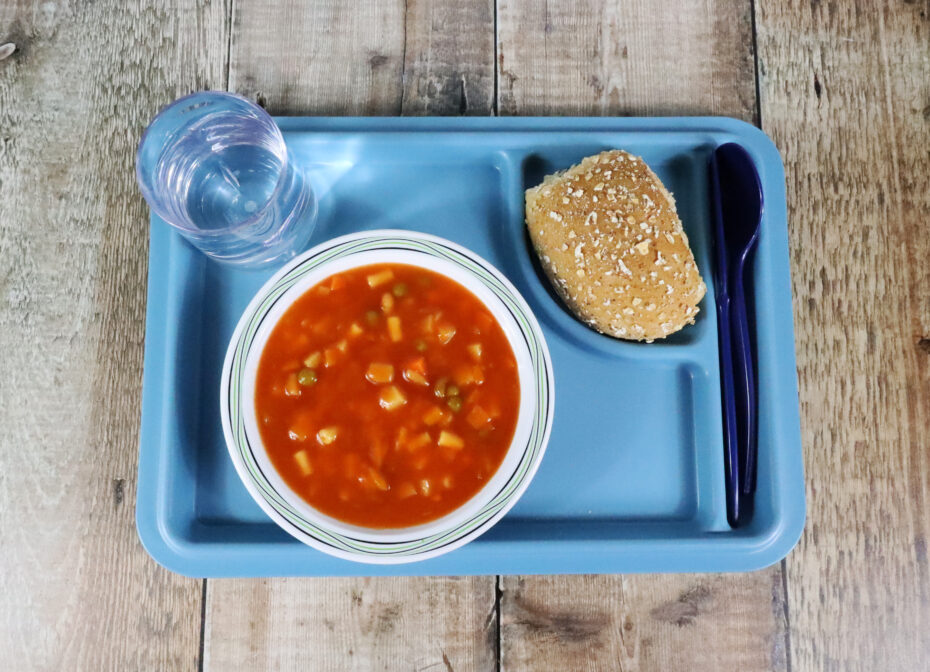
[214, 165]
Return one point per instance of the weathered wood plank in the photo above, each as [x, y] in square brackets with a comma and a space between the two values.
[367, 58]
[352, 624]
[655, 622]
[370, 58]
[640, 58]
[846, 96]
[77, 591]
[600, 57]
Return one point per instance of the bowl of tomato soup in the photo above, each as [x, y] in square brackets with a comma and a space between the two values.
[387, 396]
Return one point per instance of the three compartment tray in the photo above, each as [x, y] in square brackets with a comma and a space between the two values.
[632, 480]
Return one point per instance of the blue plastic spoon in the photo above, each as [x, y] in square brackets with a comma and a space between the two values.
[736, 197]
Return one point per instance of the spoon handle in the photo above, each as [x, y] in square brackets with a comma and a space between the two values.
[743, 379]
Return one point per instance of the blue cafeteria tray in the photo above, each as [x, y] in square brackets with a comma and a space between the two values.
[632, 480]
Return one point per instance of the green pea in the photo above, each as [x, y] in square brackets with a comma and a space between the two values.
[452, 391]
[440, 389]
[372, 317]
[400, 289]
[455, 403]
[307, 377]
[420, 345]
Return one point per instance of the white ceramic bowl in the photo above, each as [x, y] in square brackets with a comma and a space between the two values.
[478, 514]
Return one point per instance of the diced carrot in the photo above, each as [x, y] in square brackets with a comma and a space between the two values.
[377, 479]
[355, 329]
[327, 435]
[394, 330]
[425, 486]
[405, 490]
[433, 415]
[447, 481]
[303, 462]
[292, 386]
[415, 378]
[342, 346]
[420, 463]
[387, 302]
[323, 290]
[301, 427]
[450, 454]
[429, 323]
[450, 440]
[419, 441]
[475, 350]
[445, 333]
[484, 321]
[401, 440]
[469, 375]
[380, 277]
[418, 365]
[379, 373]
[477, 417]
[313, 360]
[391, 398]
[337, 282]
[330, 357]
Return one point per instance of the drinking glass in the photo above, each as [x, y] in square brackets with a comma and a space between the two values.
[215, 167]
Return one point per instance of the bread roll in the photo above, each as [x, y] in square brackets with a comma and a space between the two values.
[610, 240]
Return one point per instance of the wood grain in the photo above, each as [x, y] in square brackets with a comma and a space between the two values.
[77, 591]
[698, 622]
[846, 96]
[600, 57]
[367, 58]
[416, 624]
[644, 59]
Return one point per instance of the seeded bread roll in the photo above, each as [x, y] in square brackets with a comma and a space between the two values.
[609, 238]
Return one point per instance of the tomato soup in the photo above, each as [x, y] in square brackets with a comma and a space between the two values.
[387, 396]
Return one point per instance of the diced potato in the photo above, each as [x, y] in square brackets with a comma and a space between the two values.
[469, 375]
[474, 350]
[420, 441]
[449, 454]
[477, 417]
[415, 372]
[450, 440]
[377, 479]
[387, 303]
[372, 317]
[401, 439]
[425, 487]
[337, 282]
[379, 373]
[446, 420]
[292, 385]
[433, 415]
[380, 277]
[303, 462]
[342, 346]
[327, 435]
[400, 290]
[313, 360]
[429, 324]
[394, 330]
[405, 490]
[444, 333]
[455, 403]
[323, 290]
[330, 357]
[440, 388]
[377, 452]
[447, 481]
[415, 378]
[355, 329]
[301, 427]
[391, 398]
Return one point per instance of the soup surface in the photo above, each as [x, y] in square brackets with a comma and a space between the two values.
[387, 396]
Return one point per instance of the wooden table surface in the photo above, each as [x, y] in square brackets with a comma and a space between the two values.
[843, 88]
